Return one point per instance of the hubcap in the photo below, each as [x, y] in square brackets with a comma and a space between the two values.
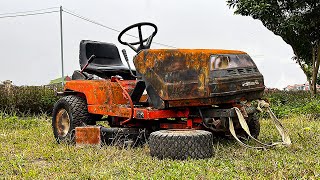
[62, 123]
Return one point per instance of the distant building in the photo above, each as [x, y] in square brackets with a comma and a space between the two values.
[300, 87]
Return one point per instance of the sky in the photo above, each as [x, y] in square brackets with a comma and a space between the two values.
[30, 46]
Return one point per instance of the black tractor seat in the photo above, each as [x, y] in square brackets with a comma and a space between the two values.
[107, 62]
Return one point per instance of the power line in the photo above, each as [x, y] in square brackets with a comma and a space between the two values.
[27, 14]
[107, 27]
[36, 12]
[23, 12]
[91, 21]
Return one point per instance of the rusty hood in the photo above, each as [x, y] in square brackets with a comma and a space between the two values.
[177, 74]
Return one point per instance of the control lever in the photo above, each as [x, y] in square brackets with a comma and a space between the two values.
[124, 52]
[89, 61]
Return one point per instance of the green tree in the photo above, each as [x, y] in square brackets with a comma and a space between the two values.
[296, 21]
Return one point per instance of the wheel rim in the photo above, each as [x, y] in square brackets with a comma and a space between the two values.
[62, 123]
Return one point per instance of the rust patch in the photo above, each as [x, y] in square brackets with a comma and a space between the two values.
[178, 74]
[148, 113]
[94, 90]
[89, 135]
[101, 92]
[185, 76]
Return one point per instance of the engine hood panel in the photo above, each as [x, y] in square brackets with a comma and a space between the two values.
[179, 74]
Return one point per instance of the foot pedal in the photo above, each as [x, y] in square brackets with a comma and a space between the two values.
[88, 135]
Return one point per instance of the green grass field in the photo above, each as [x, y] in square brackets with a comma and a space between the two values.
[29, 151]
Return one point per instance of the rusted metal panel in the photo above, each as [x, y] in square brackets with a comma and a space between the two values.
[94, 90]
[147, 59]
[224, 86]
[182, 75]
[175, 74]
[178, 125]
[227, 98]
[139, 113]
[101, 91]
[88, 135]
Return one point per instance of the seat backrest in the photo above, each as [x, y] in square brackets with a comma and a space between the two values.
[107, 54]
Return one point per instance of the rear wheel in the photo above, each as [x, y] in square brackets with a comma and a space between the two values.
[69, 112]
[181, 144]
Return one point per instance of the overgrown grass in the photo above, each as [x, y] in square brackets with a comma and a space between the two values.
[29, 151]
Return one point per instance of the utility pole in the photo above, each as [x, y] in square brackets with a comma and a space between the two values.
[61, 46]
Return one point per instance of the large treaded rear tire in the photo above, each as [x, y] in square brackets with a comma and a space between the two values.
[74, 112]
[181, 144]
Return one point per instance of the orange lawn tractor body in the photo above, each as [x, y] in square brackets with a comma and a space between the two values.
[175, 96]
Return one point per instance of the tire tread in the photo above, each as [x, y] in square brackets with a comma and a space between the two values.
[195, 145]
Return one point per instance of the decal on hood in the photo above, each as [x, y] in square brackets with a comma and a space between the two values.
[251, 83]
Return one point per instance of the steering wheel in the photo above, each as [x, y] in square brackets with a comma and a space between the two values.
[141, 42]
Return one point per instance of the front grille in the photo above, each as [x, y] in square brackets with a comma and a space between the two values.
[234, 72]
[250, 70]
[241, 71]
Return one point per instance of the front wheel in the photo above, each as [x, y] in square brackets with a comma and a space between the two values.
[181, 144]
[69, 112]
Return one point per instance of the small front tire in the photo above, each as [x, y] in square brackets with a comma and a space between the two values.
[69, 112]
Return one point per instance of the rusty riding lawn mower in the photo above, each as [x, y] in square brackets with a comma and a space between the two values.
[175, 100]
